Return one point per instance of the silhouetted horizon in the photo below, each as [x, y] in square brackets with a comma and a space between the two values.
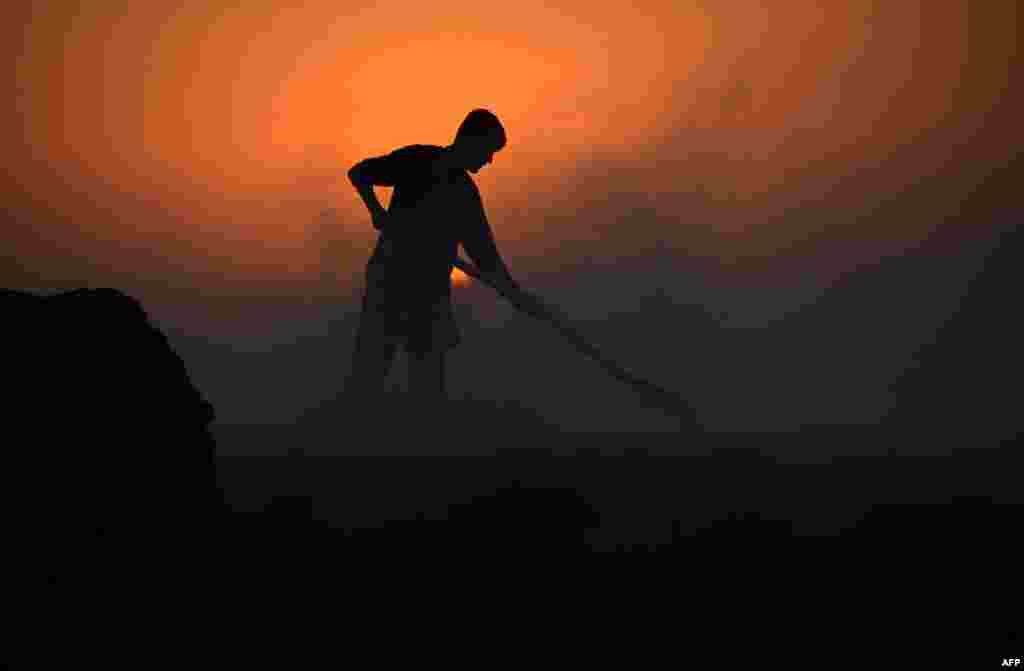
[285, 286]
[832, 358]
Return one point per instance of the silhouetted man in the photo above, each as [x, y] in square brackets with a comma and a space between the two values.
[435, 206]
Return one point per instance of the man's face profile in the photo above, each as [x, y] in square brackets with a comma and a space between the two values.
[482, 160]
[479, 154]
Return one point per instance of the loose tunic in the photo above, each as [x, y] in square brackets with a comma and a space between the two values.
[433, 209]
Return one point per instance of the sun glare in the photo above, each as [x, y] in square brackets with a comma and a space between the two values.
[459, 278]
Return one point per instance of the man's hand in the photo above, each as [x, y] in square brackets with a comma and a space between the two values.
[510, 290]
[381, 219]
[384, 248]
[385, 222]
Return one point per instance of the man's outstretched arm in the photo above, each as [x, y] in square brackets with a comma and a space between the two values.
[478, 241]
[480, 247]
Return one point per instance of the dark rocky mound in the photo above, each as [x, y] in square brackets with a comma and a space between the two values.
[109, 439]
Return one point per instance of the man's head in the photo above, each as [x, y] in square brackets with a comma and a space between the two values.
[479, 136]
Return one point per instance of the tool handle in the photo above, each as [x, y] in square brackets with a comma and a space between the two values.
[659, 396]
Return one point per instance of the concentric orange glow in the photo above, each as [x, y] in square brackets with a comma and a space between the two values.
[214, 135]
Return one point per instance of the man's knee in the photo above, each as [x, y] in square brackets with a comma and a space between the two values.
[371, 363]
[426, 371]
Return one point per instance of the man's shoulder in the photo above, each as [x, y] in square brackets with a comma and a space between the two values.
[418, 151]
[417, 159]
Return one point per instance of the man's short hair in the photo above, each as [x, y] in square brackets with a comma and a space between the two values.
[482, 124]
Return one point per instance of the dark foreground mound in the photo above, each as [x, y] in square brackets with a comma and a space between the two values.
[109, 437]
[119, 481]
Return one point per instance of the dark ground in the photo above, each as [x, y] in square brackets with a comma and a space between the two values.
[116, 486]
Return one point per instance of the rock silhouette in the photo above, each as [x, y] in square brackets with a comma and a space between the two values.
[117, 437]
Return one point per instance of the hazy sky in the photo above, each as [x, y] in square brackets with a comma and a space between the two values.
[214, 135]
[184, 151]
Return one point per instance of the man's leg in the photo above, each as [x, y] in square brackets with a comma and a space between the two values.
[427, 390]
[427, 374]
[375, 345]
[371, 365]
[433, 333]
[372, 359]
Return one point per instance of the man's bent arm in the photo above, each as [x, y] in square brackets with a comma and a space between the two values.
[365, 188]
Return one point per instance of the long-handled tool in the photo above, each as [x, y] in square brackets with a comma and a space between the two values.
[531, 305]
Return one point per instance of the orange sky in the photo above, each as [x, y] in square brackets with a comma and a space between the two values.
[205, 140]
